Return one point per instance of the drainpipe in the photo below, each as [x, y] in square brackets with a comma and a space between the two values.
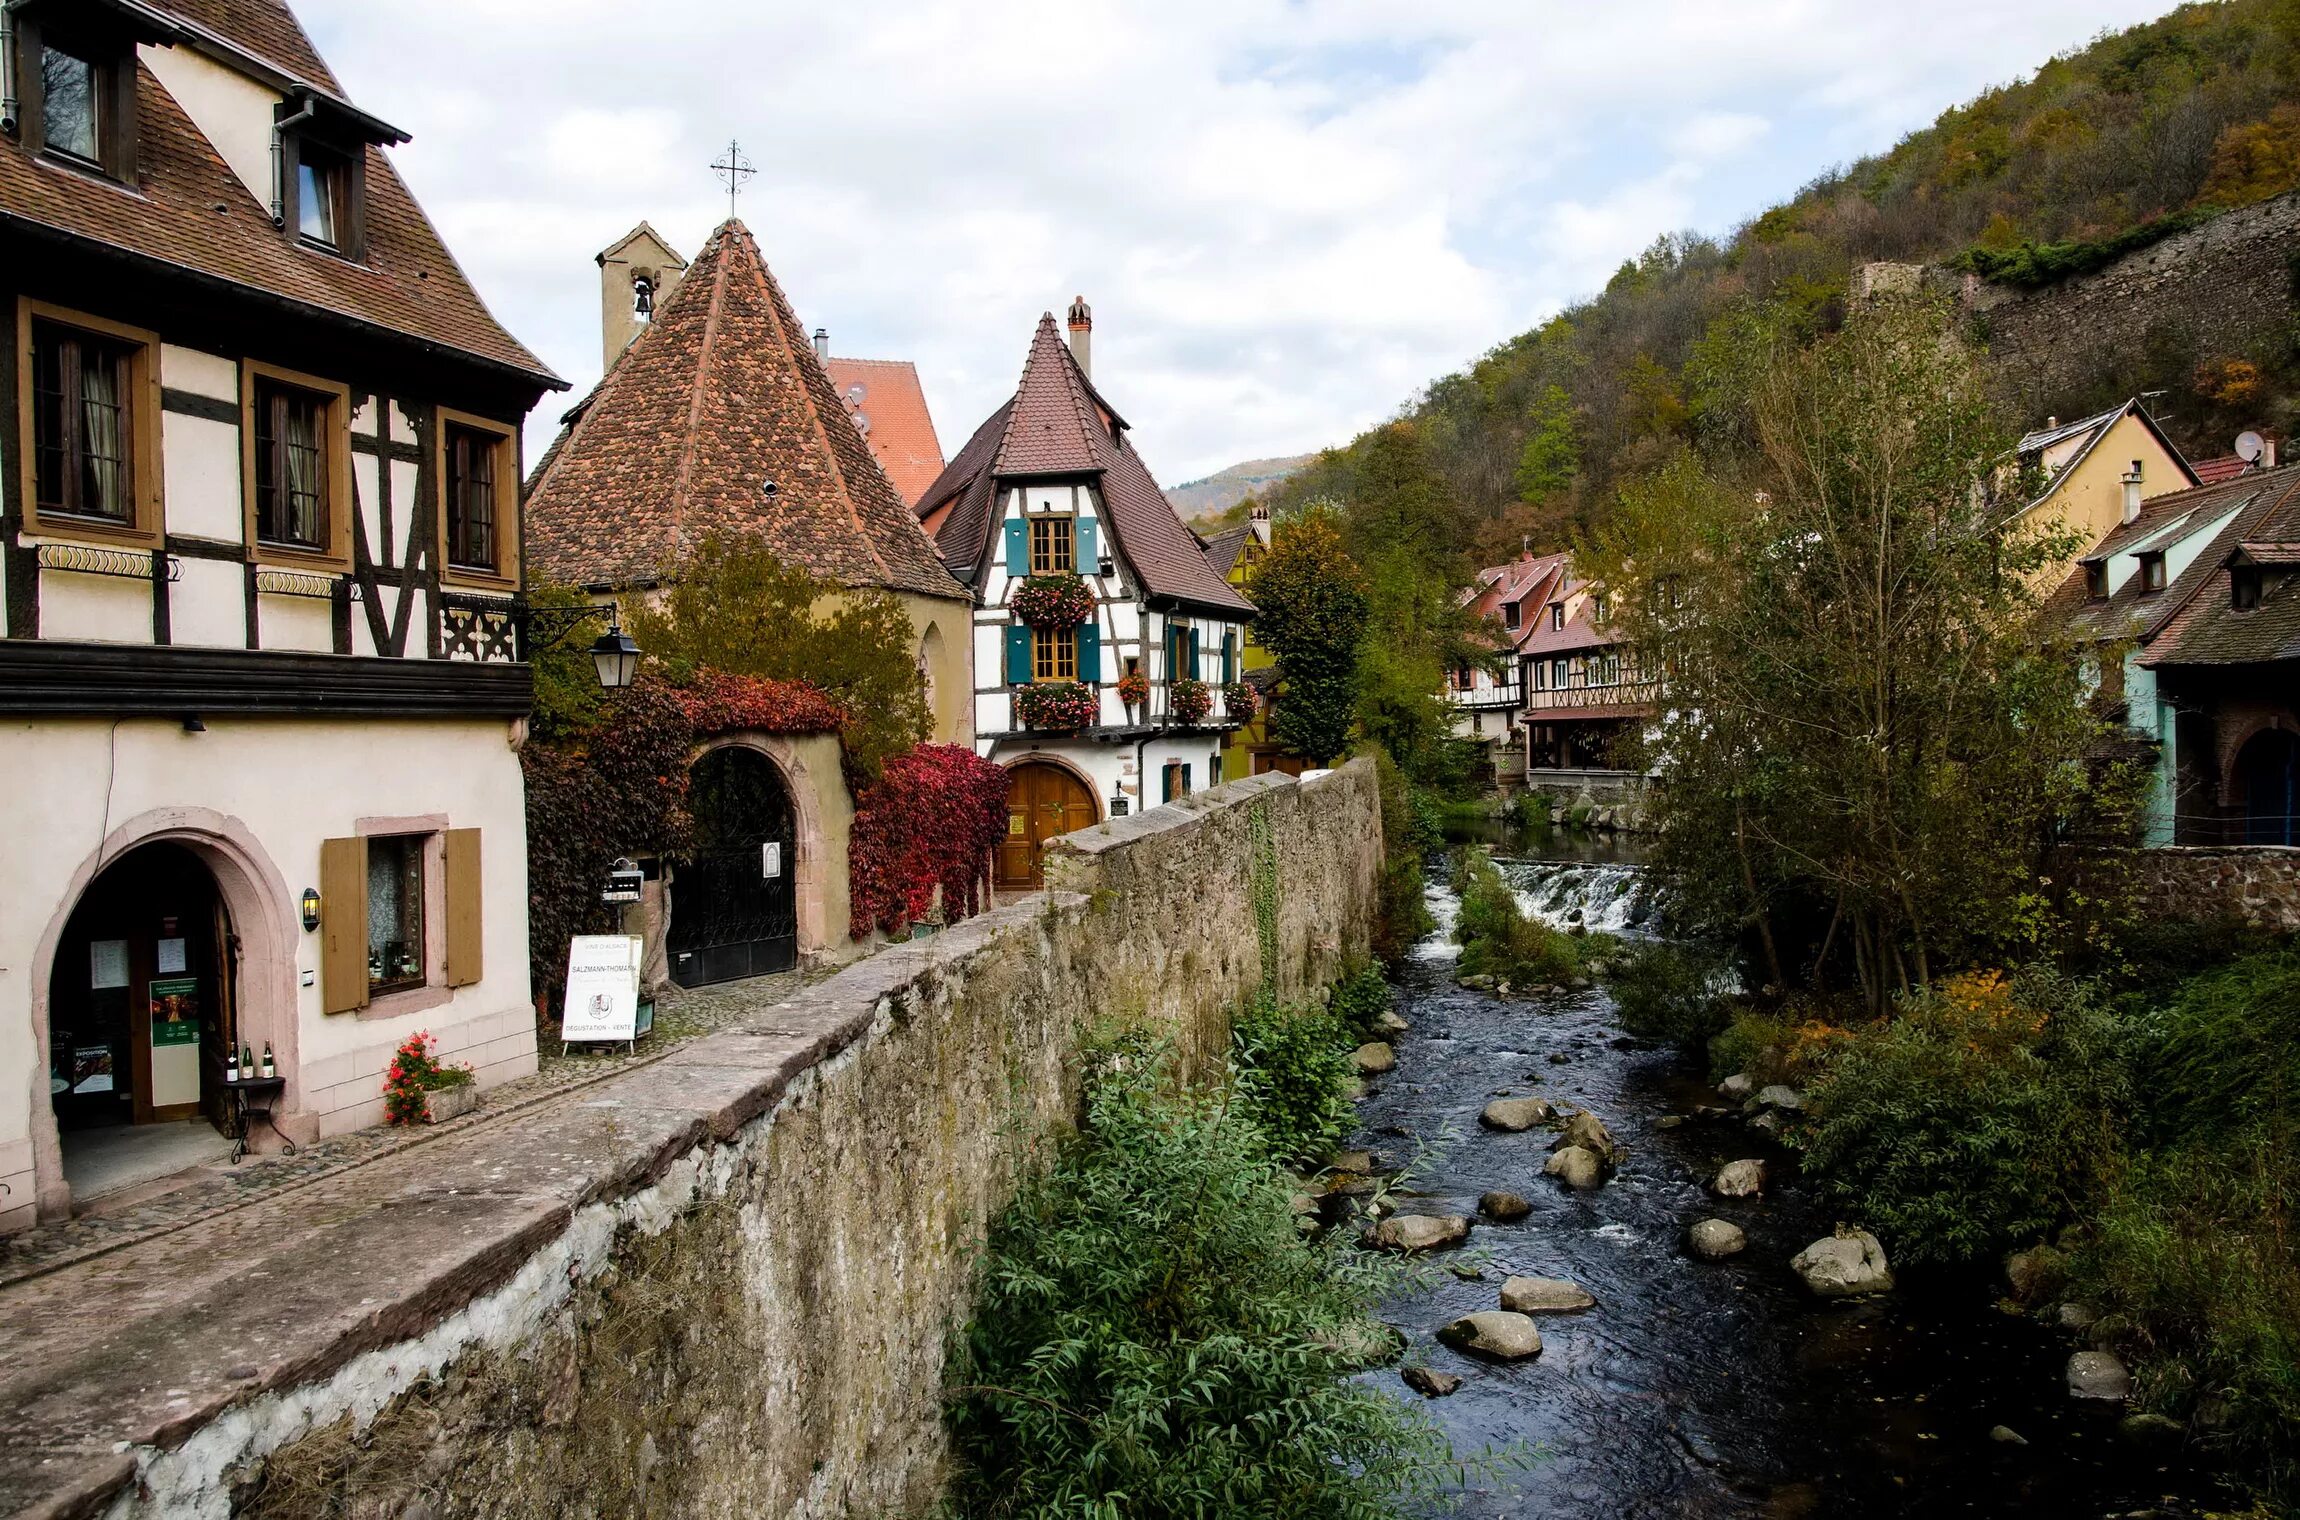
[7, 70]
[280, 129]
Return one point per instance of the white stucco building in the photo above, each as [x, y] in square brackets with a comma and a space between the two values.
[261, 687]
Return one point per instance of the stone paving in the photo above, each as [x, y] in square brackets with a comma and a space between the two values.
[219, 1188]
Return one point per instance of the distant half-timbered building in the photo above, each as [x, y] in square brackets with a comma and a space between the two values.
[260, 560]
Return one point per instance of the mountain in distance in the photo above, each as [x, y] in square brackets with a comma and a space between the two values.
[1202, 500]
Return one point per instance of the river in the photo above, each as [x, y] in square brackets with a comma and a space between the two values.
[1696, 1389]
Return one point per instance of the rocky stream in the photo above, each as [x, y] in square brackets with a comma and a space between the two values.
[1692, 1387]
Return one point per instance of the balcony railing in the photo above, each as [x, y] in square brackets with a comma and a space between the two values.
[1620, 694]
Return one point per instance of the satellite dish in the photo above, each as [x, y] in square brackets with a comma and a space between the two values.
[2250, 446]
[862, 424]
[855, 394]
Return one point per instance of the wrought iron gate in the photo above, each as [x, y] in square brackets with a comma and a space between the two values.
[734, 905]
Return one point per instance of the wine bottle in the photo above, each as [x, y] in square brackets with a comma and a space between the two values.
[270, 1070]
[247, 1063]
[231, 1063]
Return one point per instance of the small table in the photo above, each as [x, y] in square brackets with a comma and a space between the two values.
[252, 1099]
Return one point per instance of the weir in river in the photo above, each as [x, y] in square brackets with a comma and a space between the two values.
[1699, 1389]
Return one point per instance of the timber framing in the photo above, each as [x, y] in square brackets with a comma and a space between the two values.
[53, 677]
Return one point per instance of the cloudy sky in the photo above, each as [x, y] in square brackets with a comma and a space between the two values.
[1288, 214]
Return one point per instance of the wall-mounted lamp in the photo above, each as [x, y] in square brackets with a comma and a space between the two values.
[615, 653]
[310, 910]
[617, 656]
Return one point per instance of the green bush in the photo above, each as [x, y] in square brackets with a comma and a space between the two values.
[1401, 916]
[1529, 810]
[1674, 992]
[1497, 938]
[1971, 1119]
[1154, 1338]
[1358, 1000]
[1293, 1065]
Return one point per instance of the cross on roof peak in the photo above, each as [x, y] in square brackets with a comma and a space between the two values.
[732, 171]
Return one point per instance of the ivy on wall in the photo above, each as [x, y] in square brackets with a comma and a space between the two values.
[928, 824]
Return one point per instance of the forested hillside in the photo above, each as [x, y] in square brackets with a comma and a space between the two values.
[2139, 133]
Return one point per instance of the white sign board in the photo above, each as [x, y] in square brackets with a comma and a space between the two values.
[602, 988]
[771, 859]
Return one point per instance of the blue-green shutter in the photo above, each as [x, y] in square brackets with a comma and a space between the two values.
[1018, 655]
[1194, 655]
[1229, 657]
[1086, 551]
[1089, 652]
[1017, 546]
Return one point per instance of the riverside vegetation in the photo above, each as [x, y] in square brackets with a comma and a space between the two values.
[1155, 1335]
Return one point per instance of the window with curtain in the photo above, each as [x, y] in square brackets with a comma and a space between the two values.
[395, 912]
[80, 424]
[291, 466]
[71, 116]
[471, 499]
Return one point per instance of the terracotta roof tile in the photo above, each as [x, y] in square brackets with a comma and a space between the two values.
[720, 397]
[886, 398]
[2131, 613]
[2211, 472]
[265, 28]
[1057, 423]
[2204, 628]
[190, 211]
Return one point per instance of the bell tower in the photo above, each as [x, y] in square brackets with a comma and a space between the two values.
[637, 274]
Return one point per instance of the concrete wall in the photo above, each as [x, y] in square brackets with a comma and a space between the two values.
[719, 1285]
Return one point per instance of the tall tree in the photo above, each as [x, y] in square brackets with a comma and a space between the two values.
[1310, 611]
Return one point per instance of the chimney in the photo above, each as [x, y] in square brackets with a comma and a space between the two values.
[1258, 518]
[2268, 451]
[2132, 493]
[823, 344]
[1082, 336]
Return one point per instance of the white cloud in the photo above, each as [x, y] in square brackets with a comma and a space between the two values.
[1287, 213]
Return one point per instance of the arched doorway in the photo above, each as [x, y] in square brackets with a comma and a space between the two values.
[2268, 778]
[142, 996]
[734, 907]
[1042, 800]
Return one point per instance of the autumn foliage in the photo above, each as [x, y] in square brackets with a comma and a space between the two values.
[928, 824]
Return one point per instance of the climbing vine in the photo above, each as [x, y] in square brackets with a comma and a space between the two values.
[927, 825]
[1263, 862]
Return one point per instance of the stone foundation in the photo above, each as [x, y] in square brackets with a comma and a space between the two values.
[720, 1285]
[2257, 883]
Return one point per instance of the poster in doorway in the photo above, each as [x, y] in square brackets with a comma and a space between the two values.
[175, 1041]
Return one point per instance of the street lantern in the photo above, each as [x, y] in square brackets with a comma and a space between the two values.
[615, 653]
[617, 658]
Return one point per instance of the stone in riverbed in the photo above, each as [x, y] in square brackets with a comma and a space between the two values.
[1374, 1058]
[1496, 1333]
[1544, 1295]
[1352, 1161]
[1737, 1086]
[1716, 1239]
[1503, 1206]
[1421, 1232]
[1782, 1097]
[1390, 1023]
[1670, 1121]
[2098, 1375]
[1588, 1131]
[2005, 1435]
[1576, 1168]
[1769, 1122]
[2035, 1272]
[1847, 1264]
[1739, 1179]
[1512, 1115]
[1428, 1383]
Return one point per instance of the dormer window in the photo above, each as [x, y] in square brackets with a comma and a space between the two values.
[76, 81]
[1512, 615]
[2244, 587]
[2152, 571]
[319, 197]
[71, 113]
[320, 151]
[2096, 580]
[1556, 617]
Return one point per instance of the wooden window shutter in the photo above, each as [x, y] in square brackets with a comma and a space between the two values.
[1194, 654]
[1017, 546]
[465, 961]
[342, 925]
[1089, 653]
[1018, 666]
[1086, 549]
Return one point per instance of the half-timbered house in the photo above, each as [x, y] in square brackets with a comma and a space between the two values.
[260, 558]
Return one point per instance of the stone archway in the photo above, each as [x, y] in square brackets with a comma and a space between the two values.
[2264, 783]
[263, 922]
[1046, 796]
[812, 872]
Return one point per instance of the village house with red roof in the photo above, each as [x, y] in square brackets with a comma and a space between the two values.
[1487, 698]
[1050, 495]
[260, 556]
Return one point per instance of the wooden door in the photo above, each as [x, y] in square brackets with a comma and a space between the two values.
[1042, 801]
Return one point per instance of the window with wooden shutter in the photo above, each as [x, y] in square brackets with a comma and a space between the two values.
[465, 961]
[343, 925]
[1017, 546]
[1088, 552]
[1090, 653]
[1018, 655]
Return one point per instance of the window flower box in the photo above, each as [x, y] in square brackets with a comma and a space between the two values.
[1052, 601]
[1056, 705]
[1190, 700]
[1134, 688]
[1238, 701]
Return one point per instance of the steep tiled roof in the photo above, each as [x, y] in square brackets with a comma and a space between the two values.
[1580, 631]
[2129, 612]
[1058, 424]
[2204, 629]
[885, 398]
[1223, 548]
[2092, 430]
[719, 399]
[189, 210]
[2213, 471]
[1527, 580]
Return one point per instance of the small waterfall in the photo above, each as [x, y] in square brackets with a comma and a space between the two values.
[1445, 911]
[1604, 896]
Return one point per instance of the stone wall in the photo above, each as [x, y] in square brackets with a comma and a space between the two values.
[2216, 291]
[719, 1285]
[2257, 883]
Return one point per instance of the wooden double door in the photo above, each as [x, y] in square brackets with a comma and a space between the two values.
[1042, 801]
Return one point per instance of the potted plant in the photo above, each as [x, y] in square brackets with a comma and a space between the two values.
[1238, 701]
[1056, 705]
[1052, 601]
[1191, 699]
[418, 1090]
[1134, 688]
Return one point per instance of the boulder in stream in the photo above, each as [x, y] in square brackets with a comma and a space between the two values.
[1503, 1206]
[2035, 1272]
[1847, 1264]
[1427, 1382]
[1545, 1295]
[1588, 1132]
[1737, 1087]
[1577, 1168]
[2098, 1375]
[1391, 1023]
[1374, 1058]
[1512, 1115]
[1496, 1333]
[1352, 1161]
[1781, 1096]
[1421, 1232]
[1716, 1239]
[1739, 1179]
